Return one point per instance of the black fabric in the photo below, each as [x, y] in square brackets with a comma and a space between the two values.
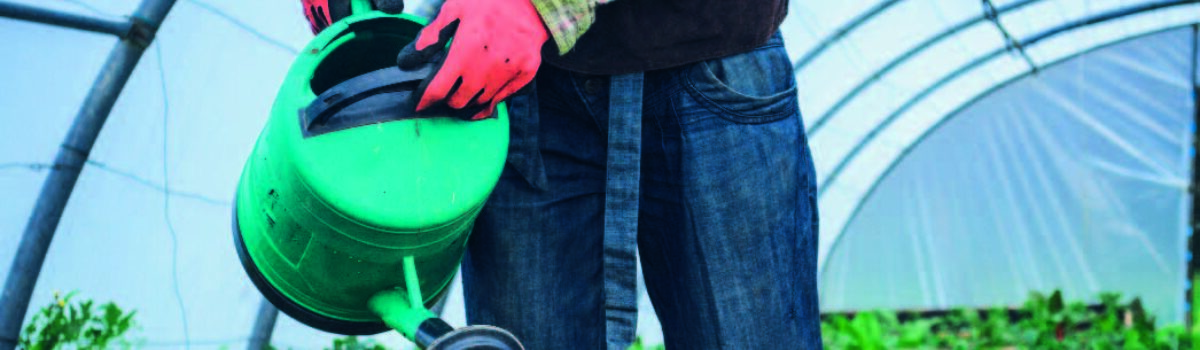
[338, 9]
[391, 7]
[643, 35]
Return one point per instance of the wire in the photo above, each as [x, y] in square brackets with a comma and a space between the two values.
[162, 78]
[993, 15]
[158, 187]
[90, 8]
[246, 27]
[144, 182]
[211, 9]
[959, 44]
[30, 166]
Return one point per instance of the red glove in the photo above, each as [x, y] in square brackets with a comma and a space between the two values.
[322, 13]
[496, 51]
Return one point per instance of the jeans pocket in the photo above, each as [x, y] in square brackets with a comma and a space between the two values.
[753, 87]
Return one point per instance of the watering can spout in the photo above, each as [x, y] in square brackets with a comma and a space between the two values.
[429, 332]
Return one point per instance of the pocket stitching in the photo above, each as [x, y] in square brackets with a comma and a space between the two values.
[742, 117]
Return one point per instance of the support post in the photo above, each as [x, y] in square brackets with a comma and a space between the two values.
[72, 154]
[1190, 317]
[63, 19]
[264, 325]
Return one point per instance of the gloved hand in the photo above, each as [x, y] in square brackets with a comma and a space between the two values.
[496, 51]
[322, 13]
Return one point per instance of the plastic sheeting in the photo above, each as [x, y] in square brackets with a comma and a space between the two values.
[857, 145]
[1075, 178]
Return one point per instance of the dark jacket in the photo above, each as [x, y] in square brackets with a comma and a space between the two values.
[642, 35]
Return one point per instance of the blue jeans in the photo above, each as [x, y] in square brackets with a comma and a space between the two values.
[727, 219]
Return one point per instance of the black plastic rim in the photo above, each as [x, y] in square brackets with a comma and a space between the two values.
[293, 310]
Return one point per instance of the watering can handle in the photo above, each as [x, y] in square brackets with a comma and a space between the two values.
[383, 95]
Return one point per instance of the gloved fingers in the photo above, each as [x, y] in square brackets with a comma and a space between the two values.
[494, 89]
[518, 77]
[446, 79]
[494, 99]
[485, 63]
[519, 81]
[316, 12]
[409, 58]
[486, 112]
[488, 93]
[480, 87]
[438, 89]
[450, 75]
[471, 87]
[440, 30]
[414, 55]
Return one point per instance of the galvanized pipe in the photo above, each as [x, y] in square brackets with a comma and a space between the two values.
[264, 325]
[1193, 189]
[72, 155]
[904, 57]
[63, 19]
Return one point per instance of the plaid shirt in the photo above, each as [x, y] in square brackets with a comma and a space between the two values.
[567, 20]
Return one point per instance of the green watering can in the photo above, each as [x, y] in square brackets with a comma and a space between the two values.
[353, 211]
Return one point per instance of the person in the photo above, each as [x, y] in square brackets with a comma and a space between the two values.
[662, 130]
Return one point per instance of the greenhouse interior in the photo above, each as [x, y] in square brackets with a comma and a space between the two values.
[971, 156]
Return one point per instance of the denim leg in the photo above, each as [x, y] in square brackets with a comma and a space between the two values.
[728, 226]
[533, 263]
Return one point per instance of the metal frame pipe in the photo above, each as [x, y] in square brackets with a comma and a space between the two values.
[264, 325]
[72, 154]
[841, 32]
[62, 19]
[904, 57]
[1194, 220]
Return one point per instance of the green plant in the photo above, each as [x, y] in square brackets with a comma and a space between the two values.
[637, 345]
[70, 324]
[1042, 322]
[354, 343]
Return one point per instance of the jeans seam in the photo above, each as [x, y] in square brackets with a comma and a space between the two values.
[692, 227]
[673, 170]
[708, 295]
[662, 144]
